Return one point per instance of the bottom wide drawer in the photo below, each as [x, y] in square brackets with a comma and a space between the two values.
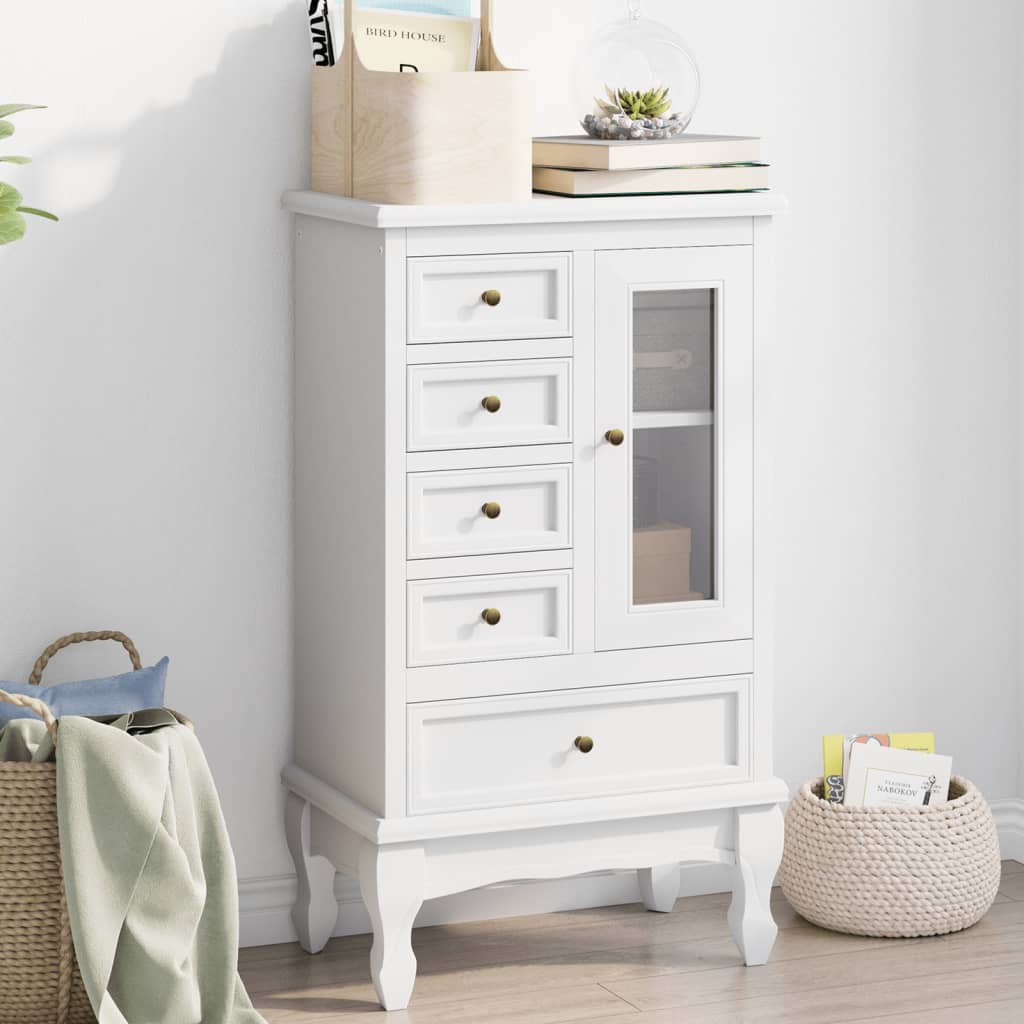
[499, 751]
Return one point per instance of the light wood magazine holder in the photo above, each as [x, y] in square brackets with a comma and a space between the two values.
[427, 137]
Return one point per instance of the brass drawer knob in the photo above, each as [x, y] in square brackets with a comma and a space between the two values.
[491, 509]
[492, 296]
[614, 437]
[492, 403]
[491, 616]
[584, 744]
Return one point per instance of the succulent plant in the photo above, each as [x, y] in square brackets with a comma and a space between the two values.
[635, 104]
[12, 223]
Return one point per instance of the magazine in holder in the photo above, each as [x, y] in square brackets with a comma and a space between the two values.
[422, 137]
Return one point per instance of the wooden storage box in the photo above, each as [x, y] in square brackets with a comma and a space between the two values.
[661, 564]
[428, 137]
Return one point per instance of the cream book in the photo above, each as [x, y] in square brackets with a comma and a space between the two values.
[405, 41]
[889, 777]
[836, 749]
[583, 153]
[562, 182]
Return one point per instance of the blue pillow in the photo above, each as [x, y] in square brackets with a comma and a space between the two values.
[114, 695]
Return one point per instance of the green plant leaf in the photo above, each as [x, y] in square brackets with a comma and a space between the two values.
[10, 197]
[38, 213]
[12, 226]
[12, 221]
[6, 109]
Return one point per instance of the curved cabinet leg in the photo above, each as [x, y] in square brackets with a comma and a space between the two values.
[659, 887]
[316, 910]
[759, 837]
[392, 881]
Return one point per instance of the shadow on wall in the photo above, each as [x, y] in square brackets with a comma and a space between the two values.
[145, 411]
[177, 277]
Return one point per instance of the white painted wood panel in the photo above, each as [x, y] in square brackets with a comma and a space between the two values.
[645, 737]
[340, 670]
[479, 351]
[395, 432]
[583, 669]
[445, 298]
[659, 234]
[489, 458]
[446, 407]
[584, 510]
[446, 622]
[487, 565]
[768, 375]
[556, 214]
[488, 511]
[553, 814]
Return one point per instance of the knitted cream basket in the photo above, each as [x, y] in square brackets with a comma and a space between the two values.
[897, 872]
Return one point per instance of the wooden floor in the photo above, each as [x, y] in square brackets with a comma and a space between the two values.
[623, 965]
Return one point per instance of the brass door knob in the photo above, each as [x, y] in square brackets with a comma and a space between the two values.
[492, 296]
[615, 437]
[492, 403]
[491, 616]
[491, 509]
[584, 744]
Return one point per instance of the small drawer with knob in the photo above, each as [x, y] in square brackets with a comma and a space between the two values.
[489, 298]
[489, 405]
[488, 618]
[642, 737]
[488, 511]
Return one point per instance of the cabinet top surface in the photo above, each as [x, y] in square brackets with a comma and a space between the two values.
[539, 209]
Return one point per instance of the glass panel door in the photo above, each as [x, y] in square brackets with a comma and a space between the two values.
[673, 427]
[673, 476]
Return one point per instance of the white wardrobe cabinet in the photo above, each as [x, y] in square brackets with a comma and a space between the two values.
[532, 554]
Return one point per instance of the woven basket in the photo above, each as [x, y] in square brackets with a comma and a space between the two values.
[896, 872]
[39, 978]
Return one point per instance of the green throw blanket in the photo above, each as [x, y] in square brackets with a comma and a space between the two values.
[149, 873]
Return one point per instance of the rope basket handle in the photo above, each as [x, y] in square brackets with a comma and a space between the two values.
[38, 707]
[41, 708]
[78, 638]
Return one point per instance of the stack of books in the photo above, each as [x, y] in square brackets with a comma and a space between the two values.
[885, 769]
[577, 165]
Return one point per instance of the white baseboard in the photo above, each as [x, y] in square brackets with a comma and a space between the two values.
[265, 903]
[1009, 815]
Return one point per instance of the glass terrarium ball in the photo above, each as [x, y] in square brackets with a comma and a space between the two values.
[635, 79]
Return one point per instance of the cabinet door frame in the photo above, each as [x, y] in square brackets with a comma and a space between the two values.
[728, 615]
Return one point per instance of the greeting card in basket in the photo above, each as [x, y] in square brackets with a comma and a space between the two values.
[889, 777]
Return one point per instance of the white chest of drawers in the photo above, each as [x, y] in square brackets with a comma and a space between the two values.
[531, 535]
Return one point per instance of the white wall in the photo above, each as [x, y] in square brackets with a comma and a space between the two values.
[1020, 286]
[145, 355]
[891, 128]
[145, 363]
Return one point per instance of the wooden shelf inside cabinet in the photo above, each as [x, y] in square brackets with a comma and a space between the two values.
[425, 137]
[654, 420]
